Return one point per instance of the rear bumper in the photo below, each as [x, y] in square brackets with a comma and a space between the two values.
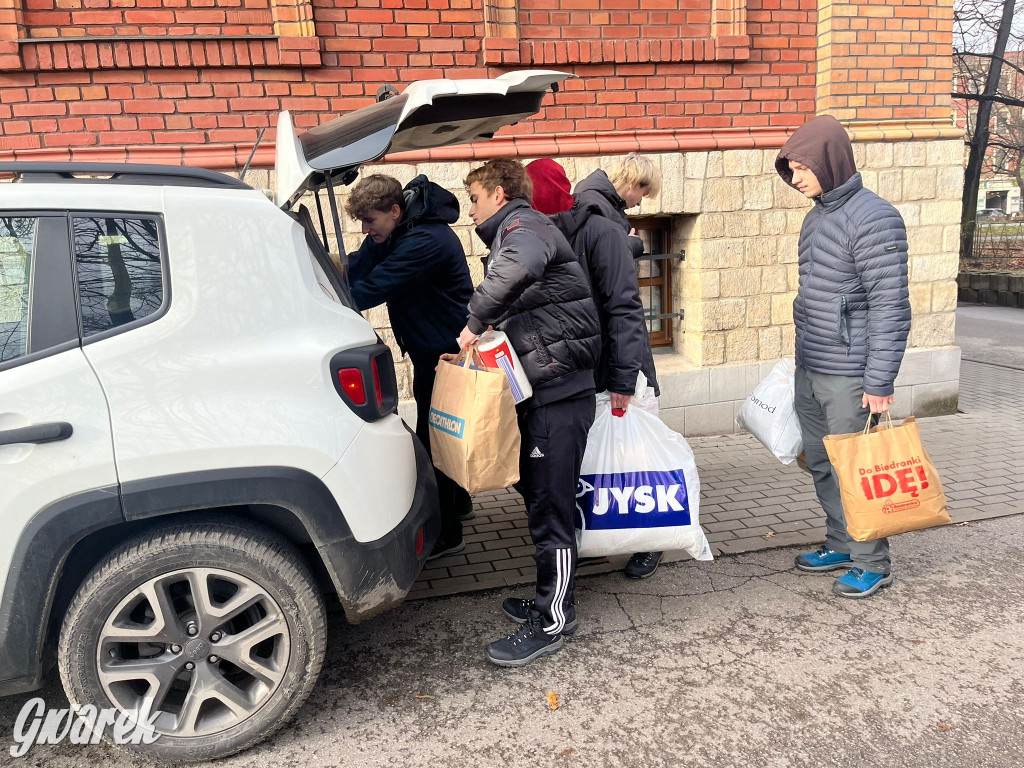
[372, 577]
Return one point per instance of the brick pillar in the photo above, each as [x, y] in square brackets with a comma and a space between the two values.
[292, 18]
[885, 70]
[12, 28]
[501, 32]
[881, 61]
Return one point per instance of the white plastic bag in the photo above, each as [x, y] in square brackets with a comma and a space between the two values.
[638, 488]
[769, 415]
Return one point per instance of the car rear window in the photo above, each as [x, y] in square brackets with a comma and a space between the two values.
[17, 246]
[118, 265]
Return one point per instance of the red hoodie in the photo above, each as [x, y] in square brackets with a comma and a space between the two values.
[550, 187]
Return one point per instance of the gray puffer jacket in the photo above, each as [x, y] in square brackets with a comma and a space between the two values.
[852, 310]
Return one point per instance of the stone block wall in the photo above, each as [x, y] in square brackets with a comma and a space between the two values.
[739, 224]
[994, 288]
[740, 276]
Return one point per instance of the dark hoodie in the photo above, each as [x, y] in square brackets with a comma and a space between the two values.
[823, 146]
[597, 189]
[852, 310]
[420, 271]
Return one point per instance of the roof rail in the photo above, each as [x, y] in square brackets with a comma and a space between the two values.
[120, 173]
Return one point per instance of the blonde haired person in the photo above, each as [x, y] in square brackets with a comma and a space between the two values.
[629, 180]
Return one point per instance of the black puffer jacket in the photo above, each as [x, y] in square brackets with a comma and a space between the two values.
[604, 252]
[538, 294]
[420, 271]
[597, 191]
[852, 310]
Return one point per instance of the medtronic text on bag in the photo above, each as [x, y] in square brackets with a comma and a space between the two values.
[633, 500]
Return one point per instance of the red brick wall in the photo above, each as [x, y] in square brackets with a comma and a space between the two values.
[121, 18]
[883, 61]
[732, 68]
[631, 20]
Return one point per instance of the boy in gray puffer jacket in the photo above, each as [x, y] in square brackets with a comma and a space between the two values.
[852, 315]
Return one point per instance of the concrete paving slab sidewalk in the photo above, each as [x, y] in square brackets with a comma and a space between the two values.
[750, 501]
[739, 662]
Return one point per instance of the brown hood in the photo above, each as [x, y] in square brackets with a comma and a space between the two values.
[823, 146]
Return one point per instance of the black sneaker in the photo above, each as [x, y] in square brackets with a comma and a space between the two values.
[642, 565]
[467, 514]
[519, 610]
[443, 548]
[527, 643]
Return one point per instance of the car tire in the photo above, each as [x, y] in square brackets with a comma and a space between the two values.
[232, 600]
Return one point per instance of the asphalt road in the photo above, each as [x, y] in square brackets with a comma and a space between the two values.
[739, 662]
[991, 335]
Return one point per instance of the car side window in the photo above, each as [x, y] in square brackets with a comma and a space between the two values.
[119, 271]
[17, 250]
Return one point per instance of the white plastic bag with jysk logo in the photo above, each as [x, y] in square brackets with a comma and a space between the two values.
[638, 488]
[769, 415]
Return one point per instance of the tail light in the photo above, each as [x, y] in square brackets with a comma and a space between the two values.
[377, 390]
[351, 381]
[419, 541]
[355, 370]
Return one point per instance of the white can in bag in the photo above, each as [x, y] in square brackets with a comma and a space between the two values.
[496, 352]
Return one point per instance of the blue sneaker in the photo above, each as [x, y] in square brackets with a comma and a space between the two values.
[857, 583]
[824, 559]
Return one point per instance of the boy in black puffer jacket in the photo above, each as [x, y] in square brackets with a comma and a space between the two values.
[538, 294]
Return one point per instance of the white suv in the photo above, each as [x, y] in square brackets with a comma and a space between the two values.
[198, 434]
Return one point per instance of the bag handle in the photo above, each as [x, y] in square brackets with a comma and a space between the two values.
[888, 420]
[464, 358]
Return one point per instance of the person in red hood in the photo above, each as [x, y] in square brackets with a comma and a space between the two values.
[604, 250]
[551, 188]
[852, 315]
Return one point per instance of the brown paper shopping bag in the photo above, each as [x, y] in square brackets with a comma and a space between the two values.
[474, 433]
[887, 482]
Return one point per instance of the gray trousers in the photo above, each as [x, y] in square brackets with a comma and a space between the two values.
[831, 405]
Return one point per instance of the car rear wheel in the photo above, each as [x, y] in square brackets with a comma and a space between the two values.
[220, 626]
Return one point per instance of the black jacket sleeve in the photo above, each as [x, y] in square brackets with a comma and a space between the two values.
[613, 277]
[361, 262]
[414, 257]
[518, 264]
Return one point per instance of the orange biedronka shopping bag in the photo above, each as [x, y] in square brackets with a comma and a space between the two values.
[886, 480]
[474, 432]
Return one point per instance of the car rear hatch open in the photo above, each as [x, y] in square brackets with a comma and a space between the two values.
[427, 115]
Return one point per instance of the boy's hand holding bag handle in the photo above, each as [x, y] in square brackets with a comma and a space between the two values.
[474, 433]
[887, 482]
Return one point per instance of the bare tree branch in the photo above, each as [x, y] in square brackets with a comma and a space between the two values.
[993, 97]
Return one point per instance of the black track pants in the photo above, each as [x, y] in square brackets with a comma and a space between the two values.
[554, 438]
